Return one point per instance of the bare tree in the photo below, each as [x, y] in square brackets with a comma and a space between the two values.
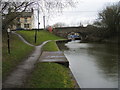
[50, 8]
[9, 9]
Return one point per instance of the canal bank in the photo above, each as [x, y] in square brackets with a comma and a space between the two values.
[49, 74]
[51, 71]
[34, 74]
[59, 58]
[70, 72]
[94, 65]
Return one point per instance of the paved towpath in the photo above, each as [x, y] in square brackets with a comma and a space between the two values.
[55, 57]
[18, 77]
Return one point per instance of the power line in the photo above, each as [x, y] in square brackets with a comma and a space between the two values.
[79, 11]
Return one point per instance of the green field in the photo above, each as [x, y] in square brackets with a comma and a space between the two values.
[19, 51]
[41, 36]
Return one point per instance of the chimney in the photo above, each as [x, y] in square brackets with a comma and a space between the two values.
[32, 10]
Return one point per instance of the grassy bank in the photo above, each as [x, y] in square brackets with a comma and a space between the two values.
[45, 75]
[41, 36]
[50, 75]
[50, 46]
[19, 51]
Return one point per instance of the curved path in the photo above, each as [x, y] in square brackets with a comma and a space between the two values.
[22, 39]
[18, 77]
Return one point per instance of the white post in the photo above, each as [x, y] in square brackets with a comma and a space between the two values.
[8, 30]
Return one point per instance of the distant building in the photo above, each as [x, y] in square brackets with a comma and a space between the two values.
[50, 29]
[24, 21]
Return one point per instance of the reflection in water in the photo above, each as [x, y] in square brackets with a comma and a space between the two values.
[94, 65]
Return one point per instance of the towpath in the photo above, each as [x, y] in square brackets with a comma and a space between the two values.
[18, 77]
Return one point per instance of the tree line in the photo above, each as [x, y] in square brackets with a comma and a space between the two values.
[109, 18]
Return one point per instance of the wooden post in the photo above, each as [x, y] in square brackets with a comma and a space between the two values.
[8, 39]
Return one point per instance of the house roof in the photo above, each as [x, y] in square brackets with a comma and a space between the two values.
[25, 14]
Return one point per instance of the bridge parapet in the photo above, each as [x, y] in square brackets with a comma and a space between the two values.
[64, 31]
[86, 33]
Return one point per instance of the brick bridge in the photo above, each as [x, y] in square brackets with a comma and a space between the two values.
[84, 32]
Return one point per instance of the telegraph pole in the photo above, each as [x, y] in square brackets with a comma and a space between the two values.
[44, 21]
[38, 27]
[38, 19]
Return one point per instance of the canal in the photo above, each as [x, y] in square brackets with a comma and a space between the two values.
[94, 65]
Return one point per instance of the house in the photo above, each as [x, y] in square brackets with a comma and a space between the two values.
[24, 20]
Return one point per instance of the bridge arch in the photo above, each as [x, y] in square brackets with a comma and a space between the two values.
[84, 36]
[64, 31]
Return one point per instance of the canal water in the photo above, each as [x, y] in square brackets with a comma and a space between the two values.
[94, 65]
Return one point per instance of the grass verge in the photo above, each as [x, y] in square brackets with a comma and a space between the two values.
[47, 75]
[50, 75]
[41, 36]
[19, 51]
[50, 46]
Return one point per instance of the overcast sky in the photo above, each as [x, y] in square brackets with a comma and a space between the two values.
[86, 11]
